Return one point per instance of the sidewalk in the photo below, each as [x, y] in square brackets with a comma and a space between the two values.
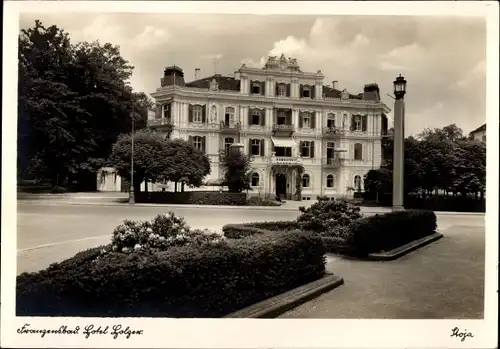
[119, 199]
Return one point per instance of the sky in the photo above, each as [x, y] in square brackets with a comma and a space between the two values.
[442, 58]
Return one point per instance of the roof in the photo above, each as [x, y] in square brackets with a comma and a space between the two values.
[480, 129]
[227, 83]
[334, 93]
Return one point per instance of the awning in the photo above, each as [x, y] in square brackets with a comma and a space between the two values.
[284, 143]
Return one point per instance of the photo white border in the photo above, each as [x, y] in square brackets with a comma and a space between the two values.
[248, 333]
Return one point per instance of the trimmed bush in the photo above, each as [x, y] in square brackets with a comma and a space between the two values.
[238, 231]
[185, 281]
[326, 215]
[390, 230]
[193, 198]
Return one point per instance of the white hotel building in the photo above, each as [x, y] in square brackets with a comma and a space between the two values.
[284, 118]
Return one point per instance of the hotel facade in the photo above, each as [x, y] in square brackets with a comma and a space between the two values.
[306, 138]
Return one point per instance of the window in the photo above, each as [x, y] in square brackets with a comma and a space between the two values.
[306, 149]
[330, 182]
[255, 179]
[256, 117]
[306, 181]
[227, 143]
[358, 151]
[281, 118]
[255, 147]
[197, 114]
[306, 92]
[166, 111]
[256, 88]
[281, 90]
[357, 123]
[197, 142]
[306, 120]
[229, 115]
[357, 183]
[330, 122]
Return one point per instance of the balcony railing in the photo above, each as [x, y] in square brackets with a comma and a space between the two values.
[332, 132]
[230, 127]
[283, 129]
[285, 160]
[160, 122]
[332, 162]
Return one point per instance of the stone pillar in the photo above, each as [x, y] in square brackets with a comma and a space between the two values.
[398, 157]
[295, 119]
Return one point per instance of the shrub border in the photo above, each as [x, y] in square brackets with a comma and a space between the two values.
[277, 305]
[405, 249]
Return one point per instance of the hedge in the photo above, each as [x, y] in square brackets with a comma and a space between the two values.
[390, 230]
[193, 198]
[364, 236]
[187, 281]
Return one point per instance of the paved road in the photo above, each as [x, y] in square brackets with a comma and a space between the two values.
[50, 233]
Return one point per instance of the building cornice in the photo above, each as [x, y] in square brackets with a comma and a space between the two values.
[165, 93]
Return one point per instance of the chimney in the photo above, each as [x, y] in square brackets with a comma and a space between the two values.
[196, 72]
[335, 84]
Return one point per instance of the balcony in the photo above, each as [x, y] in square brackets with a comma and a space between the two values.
[334, 162]
[159, 123]
[283, 130]
[285, 160]
[332, 132]
[233, 127]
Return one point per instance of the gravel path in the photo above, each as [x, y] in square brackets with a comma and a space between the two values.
[443, 280]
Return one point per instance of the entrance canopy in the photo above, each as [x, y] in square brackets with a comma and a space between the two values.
[283, 143]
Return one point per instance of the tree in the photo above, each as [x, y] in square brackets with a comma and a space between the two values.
[237, 167]
[470, 176]
[74, 101]
[151, 157]
[189, 166]
[378, 182]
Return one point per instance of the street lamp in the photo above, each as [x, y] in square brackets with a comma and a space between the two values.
[131, 194]
[399, 136]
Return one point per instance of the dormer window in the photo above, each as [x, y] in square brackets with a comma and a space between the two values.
[256, 88]
[306, 92]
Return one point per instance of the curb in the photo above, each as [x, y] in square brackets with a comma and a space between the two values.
[405, 249]
[272, 307]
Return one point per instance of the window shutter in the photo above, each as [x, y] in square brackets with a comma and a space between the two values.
[262, 145]
[276, 90]
[313, 120]
[190, 140]
[301, 120]
[301, 90]
[301, 151]
[249, 116]
[289, 117]
[312, 149]
[263, 117]
[190, 114]
[288, 90]
[204, 114]
[158, 112]
[203, 144]
[251, 86]
[313, 91]
[364, 123]
[263, 88]
[353, 124]
[250, 146]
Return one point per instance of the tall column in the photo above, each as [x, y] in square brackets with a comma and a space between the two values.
[398, 162]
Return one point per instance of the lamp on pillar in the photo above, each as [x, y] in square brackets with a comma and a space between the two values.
[399, 137]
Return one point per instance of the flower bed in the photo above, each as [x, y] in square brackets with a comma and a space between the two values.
[358, 238]
[163, 268]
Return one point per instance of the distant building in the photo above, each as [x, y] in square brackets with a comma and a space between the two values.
[285, 118]
[479, 133]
